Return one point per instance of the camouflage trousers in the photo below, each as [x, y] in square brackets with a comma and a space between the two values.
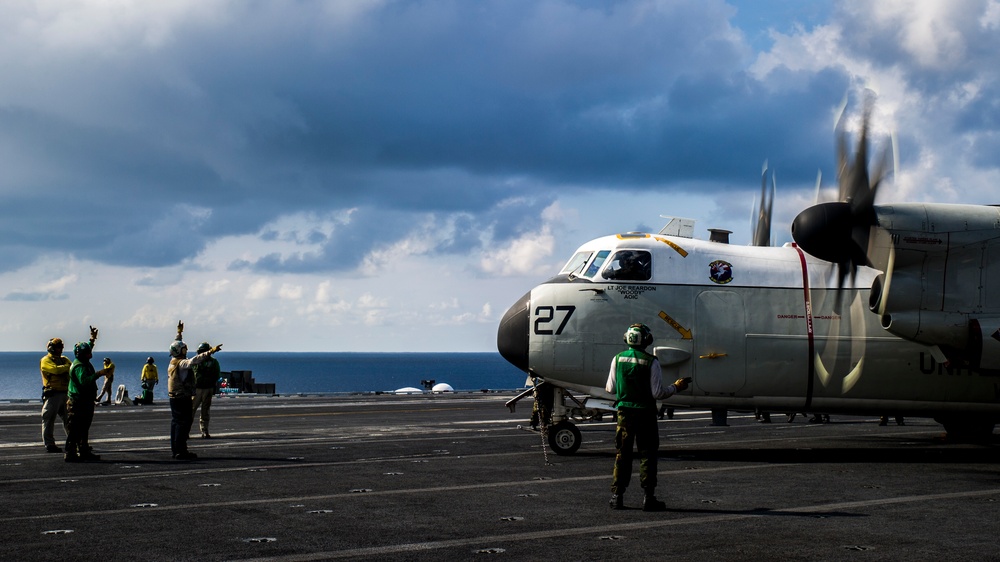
[636, 428]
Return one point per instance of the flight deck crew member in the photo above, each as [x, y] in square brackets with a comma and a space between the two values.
[149, 378]
[80, 401]
[637, 382]
[180, 388]
[109, 380]
[206, 377]
[55, 382]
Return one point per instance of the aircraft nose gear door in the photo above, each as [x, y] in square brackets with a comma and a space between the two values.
[719, 342]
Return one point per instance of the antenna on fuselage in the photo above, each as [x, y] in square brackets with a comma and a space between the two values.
[683, 228]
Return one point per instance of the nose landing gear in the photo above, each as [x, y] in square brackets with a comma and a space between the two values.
[564, 438]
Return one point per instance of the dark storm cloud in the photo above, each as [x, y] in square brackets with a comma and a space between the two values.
[344, 249]
[424, 107]
[17, 296]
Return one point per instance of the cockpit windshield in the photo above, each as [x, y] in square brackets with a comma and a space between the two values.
[576, 264]
[597, 263]
[629, 265]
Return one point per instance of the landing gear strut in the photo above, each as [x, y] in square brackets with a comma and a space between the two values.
[554, 415]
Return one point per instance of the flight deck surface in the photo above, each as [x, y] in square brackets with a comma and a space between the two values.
[454, 476]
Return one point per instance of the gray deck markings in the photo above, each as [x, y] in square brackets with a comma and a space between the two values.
[522, 536]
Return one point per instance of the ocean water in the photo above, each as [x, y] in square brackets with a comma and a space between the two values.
[294, 373]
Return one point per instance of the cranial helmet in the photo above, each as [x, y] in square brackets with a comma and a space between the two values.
[204, 347]
[149, 360]
[638, 335]
[83, 347]
[54, 343]
[178, 349]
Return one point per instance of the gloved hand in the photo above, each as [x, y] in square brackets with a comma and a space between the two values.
[681, 385]
[215, 349]
[180, 329]
[93, 335]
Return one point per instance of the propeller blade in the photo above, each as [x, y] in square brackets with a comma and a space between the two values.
[762, 224]
[839, 232]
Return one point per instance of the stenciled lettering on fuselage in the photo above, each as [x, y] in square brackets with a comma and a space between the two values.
[631, 292]
[802, 316]
[929, 366]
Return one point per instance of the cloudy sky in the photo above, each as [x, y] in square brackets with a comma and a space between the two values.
[392, 175]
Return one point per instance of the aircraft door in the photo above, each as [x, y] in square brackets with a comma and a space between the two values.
[719, 342]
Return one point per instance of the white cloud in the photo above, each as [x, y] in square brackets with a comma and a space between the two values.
[259, 289]
[991, 16]
[290, 292]
[217, 286]
[521, 256]
[928, 30]
[370, 301]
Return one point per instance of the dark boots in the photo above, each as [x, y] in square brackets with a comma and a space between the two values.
[617, 501]
[650, 503]
[86, 454]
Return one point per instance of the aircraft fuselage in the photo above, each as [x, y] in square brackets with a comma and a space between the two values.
[755, 328]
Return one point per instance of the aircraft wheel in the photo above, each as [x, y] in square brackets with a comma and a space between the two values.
[564, 438]
[967, 428]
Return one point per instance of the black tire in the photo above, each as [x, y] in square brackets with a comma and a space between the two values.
[564, 438]
[968, 428]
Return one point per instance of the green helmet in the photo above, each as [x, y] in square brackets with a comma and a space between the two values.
[84, 346]
[638, 335]
[204, 347]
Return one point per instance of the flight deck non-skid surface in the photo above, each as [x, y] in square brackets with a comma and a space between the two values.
[453, 476]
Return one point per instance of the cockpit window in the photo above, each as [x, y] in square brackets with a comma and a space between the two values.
[629, 265]
[597, 263]
[576, 264]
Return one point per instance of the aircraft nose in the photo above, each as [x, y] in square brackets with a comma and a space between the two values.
[512, 336]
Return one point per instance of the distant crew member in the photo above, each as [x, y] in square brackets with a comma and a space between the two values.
[55, 383]
[80, 401]
[109, 381]
[150, 377]
[206, 377]
[637, 382]
[180, 388]
[884, 420]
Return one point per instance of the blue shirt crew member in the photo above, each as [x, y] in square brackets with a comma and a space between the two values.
[637, 382]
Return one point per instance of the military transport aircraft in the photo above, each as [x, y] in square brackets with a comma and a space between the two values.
[874, 310]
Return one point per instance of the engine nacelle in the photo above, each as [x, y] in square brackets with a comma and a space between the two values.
[984, 343]
[932, 328]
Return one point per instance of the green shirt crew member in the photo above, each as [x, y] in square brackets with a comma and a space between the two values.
[80, 404]
[637, 382]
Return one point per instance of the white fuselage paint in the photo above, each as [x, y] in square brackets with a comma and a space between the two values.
[774, 333]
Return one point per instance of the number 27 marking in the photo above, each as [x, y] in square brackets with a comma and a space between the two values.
[547, 314]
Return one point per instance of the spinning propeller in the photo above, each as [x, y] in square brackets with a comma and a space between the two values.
[762, 224]
[838, 232]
